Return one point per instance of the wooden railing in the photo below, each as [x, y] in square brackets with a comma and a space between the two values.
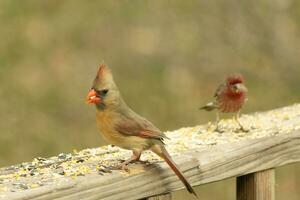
[204, 156]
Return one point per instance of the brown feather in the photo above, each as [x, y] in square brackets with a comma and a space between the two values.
[226, 100]
[102, 69]
[121, 126]
[133, 124]
[163, 153]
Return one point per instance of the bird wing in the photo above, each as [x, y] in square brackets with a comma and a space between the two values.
[136, 125]
[220, 89]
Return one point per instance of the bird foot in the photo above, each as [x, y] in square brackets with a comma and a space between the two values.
[124, 164]
[124, 168]
[242, 129]
[218, 130]
[143, 162]
[214, 128]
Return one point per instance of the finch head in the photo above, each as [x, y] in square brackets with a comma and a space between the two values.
[234, 79]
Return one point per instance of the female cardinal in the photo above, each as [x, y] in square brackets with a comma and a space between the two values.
[229, 98]
[122, 127]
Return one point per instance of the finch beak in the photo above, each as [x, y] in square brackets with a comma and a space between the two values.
[240, 88]
[92, 97]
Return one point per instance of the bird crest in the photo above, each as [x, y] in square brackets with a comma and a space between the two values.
[103, 71]
[234, 79]
[104, 76]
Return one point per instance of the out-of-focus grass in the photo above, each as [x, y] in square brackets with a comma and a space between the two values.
[167, 56]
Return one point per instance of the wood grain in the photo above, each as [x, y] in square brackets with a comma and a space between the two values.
[257, 186]
[200, 167]
[161, 197]
[215, 162]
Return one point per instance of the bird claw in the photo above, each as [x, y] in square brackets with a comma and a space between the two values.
[124, 168]
[218, 130]
[244, 129]
[214, 128]
[143, 162]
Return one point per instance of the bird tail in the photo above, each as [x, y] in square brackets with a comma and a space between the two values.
[166, 156]
[209, 107]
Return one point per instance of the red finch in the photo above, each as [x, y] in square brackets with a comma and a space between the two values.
[229, 98]
[122, 127]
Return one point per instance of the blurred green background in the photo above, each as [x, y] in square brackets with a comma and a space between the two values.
[167, 58]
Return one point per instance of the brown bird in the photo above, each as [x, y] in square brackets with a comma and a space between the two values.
[229, 98]
[122, 127]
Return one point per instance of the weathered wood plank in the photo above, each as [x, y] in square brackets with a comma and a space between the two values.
[202, 167]
[161, 197]
[257, 186]
[210, 156]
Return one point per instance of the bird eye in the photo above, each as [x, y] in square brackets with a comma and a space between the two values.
[236, 88]
[103, 92]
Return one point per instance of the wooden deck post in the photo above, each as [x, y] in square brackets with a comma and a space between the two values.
[161, 197]
[256, 186]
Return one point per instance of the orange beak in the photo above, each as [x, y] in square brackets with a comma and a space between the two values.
[92, 97]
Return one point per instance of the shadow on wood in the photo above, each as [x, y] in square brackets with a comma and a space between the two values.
[257, 186]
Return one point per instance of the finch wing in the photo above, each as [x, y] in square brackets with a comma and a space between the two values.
[220, 90]
[136, 125]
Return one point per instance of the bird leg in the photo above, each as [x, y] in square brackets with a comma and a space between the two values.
[135, 157]
[217, 128]
[236, 118]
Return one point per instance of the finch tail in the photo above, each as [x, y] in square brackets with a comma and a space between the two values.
[166, 156]
[209, 107]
